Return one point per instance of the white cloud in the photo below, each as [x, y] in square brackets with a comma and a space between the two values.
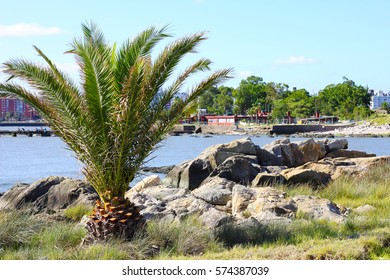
[68, 67]
[296, 60]
[27, 29]
[244, 74]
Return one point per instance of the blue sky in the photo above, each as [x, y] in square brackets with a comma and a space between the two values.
[306, 44]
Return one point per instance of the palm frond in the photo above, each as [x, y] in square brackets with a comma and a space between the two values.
[117, 116]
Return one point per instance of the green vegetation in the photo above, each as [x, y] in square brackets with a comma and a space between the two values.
[379, 119]
[346, 100]
[75, 213]
[362, 236]
[114, 119]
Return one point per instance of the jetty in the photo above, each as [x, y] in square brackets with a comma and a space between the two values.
[28, 133]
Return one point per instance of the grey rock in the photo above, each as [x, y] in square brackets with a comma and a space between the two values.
[241, 197]
[268, 217]
[364, 209]
[337, 144]
[51, 194]
[236, 169]
[272, 200]
[216, 191]
[348, 154]
[189, 175]
[319, 208]
[214, 218]
[302, 176]
[266, 179]
[22, 195]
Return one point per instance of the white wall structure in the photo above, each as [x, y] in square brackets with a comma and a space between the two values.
[378, 98]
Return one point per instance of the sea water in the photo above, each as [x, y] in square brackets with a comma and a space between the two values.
[27, 159]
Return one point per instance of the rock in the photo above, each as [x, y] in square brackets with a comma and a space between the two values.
[271, 218]
[51, 194]
[216, 191]
[311, 151]
[303, 176]
[337, 144]
[214, 218]
[272, 200]
[319, 208]
[217, 154]
[22, 195]
[173, 176]
[275, 169]
[187, 205]
[364, 209]
[189, 175]
[241, 146]
[158, 169]
[337, 167]
[271, 154]
[241, 197]
[267, 158]
[147, 182]
[67, 193]
[283, 152]
[266, 179]
[236, 169]
[348, 154]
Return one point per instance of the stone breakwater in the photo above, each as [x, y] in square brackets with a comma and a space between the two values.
[227, 184]
[366, 129]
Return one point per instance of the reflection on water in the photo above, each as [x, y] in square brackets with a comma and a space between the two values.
[26, 159]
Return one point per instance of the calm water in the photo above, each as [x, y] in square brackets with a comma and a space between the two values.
[24, 159]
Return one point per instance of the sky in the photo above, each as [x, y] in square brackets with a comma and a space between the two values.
[303, 43]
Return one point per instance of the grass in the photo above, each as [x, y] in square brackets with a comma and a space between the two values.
[75, 213]
[362, 236]
[379, 119]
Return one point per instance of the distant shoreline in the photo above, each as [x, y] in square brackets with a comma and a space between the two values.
[23, 124]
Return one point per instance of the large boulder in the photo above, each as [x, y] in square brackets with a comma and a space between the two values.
[303, 176]
[51, 194]
[237, 169]
[241, 197]
[320, 208]
[311, 151]
[216, 191]
[189, 175]
[266, 179]
[214, 219]
[271, 200]
[217, 154]
[337, 167]
[348, 154]
[335, 145]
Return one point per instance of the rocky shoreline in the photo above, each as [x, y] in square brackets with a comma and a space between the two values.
[364, 130]
[236, 183]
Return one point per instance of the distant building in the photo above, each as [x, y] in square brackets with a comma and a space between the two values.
[181, 95]
[377, 98]
[16, 109]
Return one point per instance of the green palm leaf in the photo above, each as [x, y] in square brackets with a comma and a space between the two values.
[117, 115]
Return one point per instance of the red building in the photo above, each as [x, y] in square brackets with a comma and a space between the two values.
[16, 109]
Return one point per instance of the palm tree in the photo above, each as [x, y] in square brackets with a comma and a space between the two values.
[117, 114]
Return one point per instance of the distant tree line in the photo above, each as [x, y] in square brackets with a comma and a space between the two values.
[346, 100]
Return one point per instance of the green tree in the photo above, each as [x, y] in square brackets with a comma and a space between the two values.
[385, 106]
[116, 116]
[223, 102]
[341, 99]
[207, 99]
[250, 93]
